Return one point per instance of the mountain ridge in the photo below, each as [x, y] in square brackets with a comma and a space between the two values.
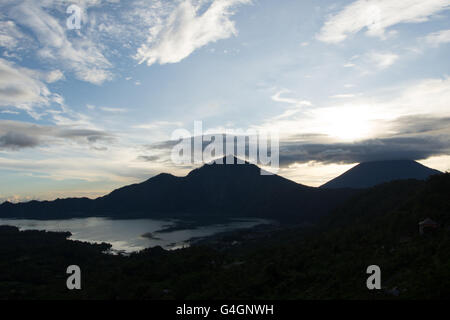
[213, 190]
[371, 173]
[228, 190]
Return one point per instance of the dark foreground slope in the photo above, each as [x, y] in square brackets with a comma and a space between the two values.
[369, 174]
[223, 190]
[377, 227]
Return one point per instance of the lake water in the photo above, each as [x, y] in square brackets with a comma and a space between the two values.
[128, 235]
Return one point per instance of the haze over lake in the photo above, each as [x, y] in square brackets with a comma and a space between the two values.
[130, 235]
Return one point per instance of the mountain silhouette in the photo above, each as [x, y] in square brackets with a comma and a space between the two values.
[213, 190]
[368, 174]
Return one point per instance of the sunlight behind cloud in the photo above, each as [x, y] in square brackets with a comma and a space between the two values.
[347, 123]
[71, 105]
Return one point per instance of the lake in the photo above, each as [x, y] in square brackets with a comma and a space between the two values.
[131, 235]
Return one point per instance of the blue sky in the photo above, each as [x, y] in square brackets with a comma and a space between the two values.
[341, 81]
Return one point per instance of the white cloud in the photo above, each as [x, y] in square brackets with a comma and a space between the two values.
[80, 54]
[162, 31]
[9, 112]
[364, 117]
[186, 29]
[278, 98]
[113, 110]
[63, 152]
[54, 76]
[429, 96]
[382, 59]
[343, 96]
[21, 88]
[376, 16]
[296, 104]
[10, 35]
[158, 125]
[88, 167]
[437, 38]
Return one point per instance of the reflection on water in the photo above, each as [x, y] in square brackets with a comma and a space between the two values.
[127, 235]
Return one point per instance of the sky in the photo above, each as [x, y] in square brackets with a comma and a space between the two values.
[89, 109]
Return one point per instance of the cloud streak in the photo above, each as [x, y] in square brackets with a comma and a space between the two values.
[403, 148]
[22, 88]
[376, 16]
[15, 135]
[17, 140]
[186, 30]
[435, 39]
[80, 54]
[382, 59]
[412, 138]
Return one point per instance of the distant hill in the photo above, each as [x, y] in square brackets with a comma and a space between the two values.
[214, 190]
[369, 174]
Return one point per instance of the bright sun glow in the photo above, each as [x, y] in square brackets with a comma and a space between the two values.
[346, 123]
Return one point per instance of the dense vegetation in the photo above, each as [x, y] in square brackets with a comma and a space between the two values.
[378, 226]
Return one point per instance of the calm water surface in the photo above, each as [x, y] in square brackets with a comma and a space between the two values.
[128, 235]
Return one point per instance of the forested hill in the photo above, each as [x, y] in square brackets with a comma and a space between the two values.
[329, 261]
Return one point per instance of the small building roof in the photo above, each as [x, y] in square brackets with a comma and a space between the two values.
[428, 221]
